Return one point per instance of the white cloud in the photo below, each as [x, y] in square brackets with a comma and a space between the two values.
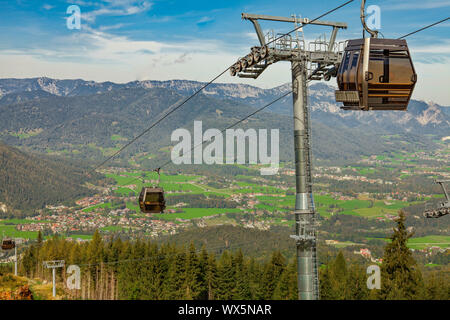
[441, 49]
[205, 20]
[117, 8]
[97, 55]
[47, 6]
[408, 5]
[433, 81]
[113, 27]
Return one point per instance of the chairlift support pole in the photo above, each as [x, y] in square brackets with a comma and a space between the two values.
[373, 33]
[303, 61]
[158, 171]
[441, 182]
[53, 264]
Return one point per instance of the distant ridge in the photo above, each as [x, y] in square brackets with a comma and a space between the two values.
[426, 117]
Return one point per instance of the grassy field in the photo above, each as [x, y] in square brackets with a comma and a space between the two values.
[8, 228]
[373, 212]
[326, 206]
[192, 213]
[429, 241]
[10, 231]
[124, 191]
[100, 205]
[26, 135]
[168, 182]
[81, 236]
[420, 243]
[272, 199]
[20, 221]
[345, 244]
[116, 137]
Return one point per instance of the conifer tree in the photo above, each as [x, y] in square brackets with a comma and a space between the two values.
[193, 276]
[242, 290]
[39, 237]
[175, 282]
[226, 279]
[438, 286]
[400, 277]
[326, 287]
[339, 276]
[211, 277]
[272, 273]
[282, 289]
[356, 287]
[203, 273]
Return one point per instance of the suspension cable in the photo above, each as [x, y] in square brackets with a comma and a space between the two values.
[203, 87]
[426, 27]
[222, 131]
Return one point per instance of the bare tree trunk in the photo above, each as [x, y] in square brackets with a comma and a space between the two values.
[100, 283]
[112, 287]
[106, 286]
[116, 288]
[89, 287]
[82, 289]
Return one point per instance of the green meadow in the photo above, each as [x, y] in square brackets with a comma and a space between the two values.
[192, 213]
[100, 205]
[10, 231]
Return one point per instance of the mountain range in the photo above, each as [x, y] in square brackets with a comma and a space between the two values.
[427, 115]
[48, 114]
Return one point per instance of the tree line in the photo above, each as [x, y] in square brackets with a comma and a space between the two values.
[146, 270]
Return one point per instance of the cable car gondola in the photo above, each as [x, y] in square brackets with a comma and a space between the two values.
[8, 244]
[375, 74]
[151, 199]
[444, 207]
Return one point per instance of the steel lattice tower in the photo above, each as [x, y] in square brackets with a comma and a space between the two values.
[318, 61]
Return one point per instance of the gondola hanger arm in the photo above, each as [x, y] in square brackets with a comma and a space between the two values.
[373, 33]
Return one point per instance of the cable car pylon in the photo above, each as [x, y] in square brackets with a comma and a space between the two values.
[314, 64]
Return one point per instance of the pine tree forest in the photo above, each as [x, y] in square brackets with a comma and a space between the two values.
[144, 270]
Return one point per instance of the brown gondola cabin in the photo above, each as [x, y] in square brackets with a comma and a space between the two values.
[375, 74]
[151, 200]
[8, 244]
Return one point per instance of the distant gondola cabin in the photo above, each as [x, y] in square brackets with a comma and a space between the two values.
[151, 200]
[8, 244]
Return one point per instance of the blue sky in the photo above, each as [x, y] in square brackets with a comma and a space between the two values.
[127, 40]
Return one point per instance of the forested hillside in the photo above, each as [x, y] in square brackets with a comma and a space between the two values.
[29, 182]
[253, 242]
[144, 270]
